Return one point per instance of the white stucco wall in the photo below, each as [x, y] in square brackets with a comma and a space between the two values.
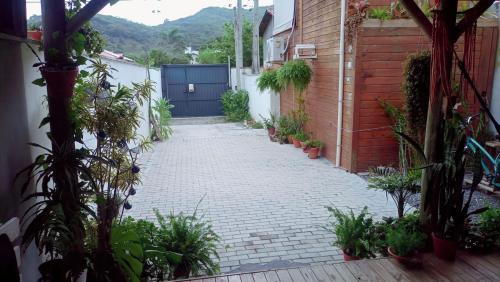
[259, 102]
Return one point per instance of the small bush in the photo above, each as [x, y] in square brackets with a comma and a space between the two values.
[355, 234]
[162, 116]
[380, 13]
[404, 241]
[489, 225]
[315, 144]
[301, 136]
[235, 104]
[192, 238]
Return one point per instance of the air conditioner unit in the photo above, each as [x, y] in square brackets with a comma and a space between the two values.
[305, 51]
[275, 49]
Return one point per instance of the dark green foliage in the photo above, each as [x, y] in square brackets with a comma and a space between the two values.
[452, 207]
[489, 225]
[268, 79]
[156, 58]
[295, 72]
[192, 238]
[235, 104]
[130, 38]
[380, 13]
[315, 144]
[218, 50]
[404, 240]
[416, 88]
[55, 220]
[301, 136]
[399, 186]
[127, 251]
[163, 115]
[157, 262]
[355, 234]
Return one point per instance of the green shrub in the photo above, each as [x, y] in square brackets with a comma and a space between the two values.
[355, 234]
[269, 80]
[404, 240]
[162, 116]
[314, 144]
[157, 262]
[235, 104]
[301, 136]
[380, 13]
[399, 186]
[192, 238]
[489, 225]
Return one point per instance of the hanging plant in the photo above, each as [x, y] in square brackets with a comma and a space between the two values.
[268, 80]
[416, 88]
[295, 72]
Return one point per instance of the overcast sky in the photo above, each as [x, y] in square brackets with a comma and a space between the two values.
[154, 12]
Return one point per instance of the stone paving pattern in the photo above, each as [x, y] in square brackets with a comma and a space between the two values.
[264, 199]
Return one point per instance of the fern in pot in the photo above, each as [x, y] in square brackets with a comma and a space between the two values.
[193, 239]
[355, 234]
[404, 242]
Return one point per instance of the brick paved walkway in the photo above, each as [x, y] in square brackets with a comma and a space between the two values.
[264, 199]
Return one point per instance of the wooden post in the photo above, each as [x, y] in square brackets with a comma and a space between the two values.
[236, 49]
[255, 41]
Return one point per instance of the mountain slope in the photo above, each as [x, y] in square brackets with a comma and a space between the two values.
[132, 38]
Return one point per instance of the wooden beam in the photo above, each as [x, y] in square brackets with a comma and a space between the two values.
[471, 16]
[418, 16]
[85, 14]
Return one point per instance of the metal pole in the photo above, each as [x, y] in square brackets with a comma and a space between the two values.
[237, 42]
[255, 41]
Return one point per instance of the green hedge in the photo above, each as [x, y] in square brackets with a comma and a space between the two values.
[235, 104]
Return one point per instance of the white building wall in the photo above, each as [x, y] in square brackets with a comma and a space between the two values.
[259, 102]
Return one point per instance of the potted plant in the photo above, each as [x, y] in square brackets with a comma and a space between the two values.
[314, 148]
[35, 32]
[270, 124]
[404, 244]
[396, 184]
[355, 235]
[191, 238]
[299, 139]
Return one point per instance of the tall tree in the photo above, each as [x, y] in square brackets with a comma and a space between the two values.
[219, 49]
[444, 32]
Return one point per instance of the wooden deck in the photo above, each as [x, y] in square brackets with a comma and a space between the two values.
[467, 267]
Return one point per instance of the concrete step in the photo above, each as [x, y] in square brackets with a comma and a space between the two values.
[198, 120]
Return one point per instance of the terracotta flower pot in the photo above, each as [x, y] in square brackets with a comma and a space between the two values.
[348, 257]
[305, 149]
[60, 83]
[271, 131]
[313, 153]
[410, 261]
[443, 248]
[35, 35]
[290, 139]
[296, 143]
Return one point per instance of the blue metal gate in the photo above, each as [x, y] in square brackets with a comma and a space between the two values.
[195, 90]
